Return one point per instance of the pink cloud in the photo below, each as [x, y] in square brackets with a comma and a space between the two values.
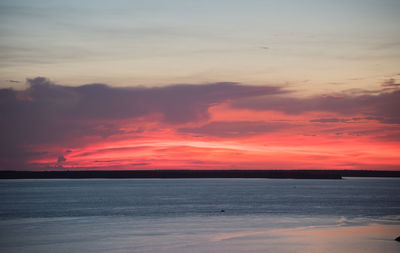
[207, 126]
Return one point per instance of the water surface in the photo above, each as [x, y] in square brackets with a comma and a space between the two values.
[184, 215]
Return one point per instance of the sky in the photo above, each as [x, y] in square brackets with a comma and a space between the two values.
[220, 84]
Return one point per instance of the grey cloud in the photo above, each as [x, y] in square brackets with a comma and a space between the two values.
[13, 81]
[390, 83]
[345, 120]
[328, 120]
[177, 103]
[61, 159]
[382, 106]
[46, 112]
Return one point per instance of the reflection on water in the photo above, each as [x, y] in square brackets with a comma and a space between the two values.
[355, 239]
[196, 234]
[355, 215]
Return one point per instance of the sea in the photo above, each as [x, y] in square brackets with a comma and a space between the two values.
[352, 215]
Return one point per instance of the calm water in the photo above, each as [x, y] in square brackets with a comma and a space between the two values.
[184, 215]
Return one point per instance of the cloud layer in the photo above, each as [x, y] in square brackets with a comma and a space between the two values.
[49, 113]
[47, 121]
[383, 105]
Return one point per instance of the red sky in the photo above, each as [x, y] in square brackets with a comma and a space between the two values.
[202, 126]
[200, 85]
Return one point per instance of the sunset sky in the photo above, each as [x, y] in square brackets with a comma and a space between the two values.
[181, 84]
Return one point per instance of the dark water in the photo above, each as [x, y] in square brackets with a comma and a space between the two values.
[182, 197]
[184, 215]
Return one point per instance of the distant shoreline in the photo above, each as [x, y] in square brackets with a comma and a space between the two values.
[290, 174]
